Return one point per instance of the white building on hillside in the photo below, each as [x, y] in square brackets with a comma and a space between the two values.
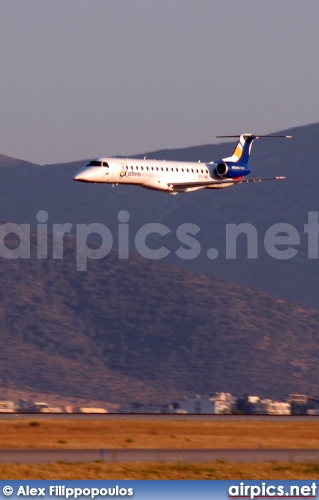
[220, 403]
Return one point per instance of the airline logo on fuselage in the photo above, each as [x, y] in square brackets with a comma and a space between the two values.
[125, 173]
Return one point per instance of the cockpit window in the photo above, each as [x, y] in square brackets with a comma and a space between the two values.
[105, 164]
[95, 163]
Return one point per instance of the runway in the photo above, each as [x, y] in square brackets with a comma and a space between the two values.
[36, 456]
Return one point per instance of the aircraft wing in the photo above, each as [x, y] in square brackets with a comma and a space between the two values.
[185, 185]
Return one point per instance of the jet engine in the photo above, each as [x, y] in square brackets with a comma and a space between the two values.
[221, 169]
[231, 170]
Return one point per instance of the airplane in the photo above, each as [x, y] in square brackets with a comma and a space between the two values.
[177, 176]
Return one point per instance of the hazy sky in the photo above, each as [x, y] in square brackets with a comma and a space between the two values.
[83, 78]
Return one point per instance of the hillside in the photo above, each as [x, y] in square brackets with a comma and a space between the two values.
[25, 189]
[138, 330]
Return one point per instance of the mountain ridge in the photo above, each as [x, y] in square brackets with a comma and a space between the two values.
[262, 205]
[137, 330]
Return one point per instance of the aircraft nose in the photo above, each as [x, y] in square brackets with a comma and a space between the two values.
[77, 176]
[81, 175]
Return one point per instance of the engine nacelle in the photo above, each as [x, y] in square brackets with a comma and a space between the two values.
[221, 169]
[231, 170]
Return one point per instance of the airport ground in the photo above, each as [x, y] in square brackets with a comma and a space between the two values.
[214, 470]
[83, 434]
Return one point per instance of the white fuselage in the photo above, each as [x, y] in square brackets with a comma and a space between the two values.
[175, 176]
[151, 174]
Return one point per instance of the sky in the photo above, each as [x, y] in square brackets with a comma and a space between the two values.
[82, 78]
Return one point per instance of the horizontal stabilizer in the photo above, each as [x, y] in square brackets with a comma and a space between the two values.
[254, 136]
[243, 148]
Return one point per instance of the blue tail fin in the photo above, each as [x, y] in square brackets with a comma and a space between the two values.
[243, 148]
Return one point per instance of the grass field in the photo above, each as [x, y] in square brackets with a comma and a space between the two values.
[215, 470]
[159, 434]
